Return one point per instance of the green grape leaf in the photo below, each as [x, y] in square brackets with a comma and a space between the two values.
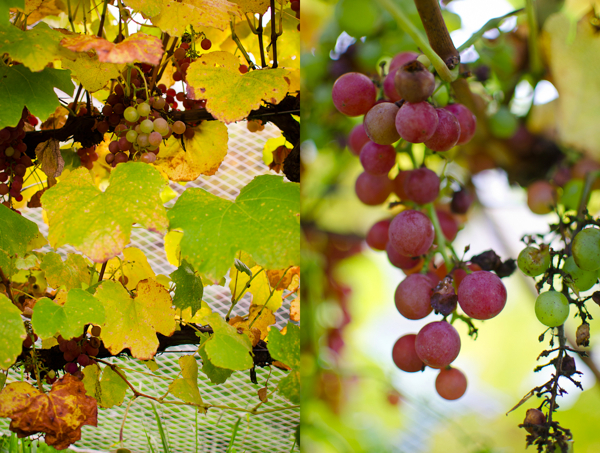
[19, 87]
[12, 333]
[70, 273]
[109, 390]
[186, 387]
[231, 96]
[263, 221]
[227, 348]
[133, 323]
[81, 308]
[189, 288]
[5, 6]
[99, 223]
[286, 349]
[91, 380]
[215, 374]
[175, 17]
[16, 232]
[35, 48]
[289, 386]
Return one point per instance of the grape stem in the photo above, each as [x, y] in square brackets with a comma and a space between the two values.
[439, 234]
[409, 28]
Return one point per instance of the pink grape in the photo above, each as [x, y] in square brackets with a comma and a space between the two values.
[178, 127]
[482, 295]
[155, 138]
[380, 123]
[416, 123]
[446, 134]
[447, 224]
[451, 384]
[357, 139]
[354, 94]
[401, 59]
[541, 197]
[401, 261]
[373, 189]
[389, 87]
[377, 159]
[405, 356]
[71, 368]
[414, 82]
[377, 237]
[411, 233]
[398, 184]
[466, 120]
[148, 158]
[422, 185]
[413, 296]
[437, 344]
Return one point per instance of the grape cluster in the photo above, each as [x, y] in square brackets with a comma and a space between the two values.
[77, 351]
[13, 160]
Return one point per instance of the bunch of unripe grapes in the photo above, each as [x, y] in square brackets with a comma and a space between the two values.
[580, 272]
[77, 351]
[13, 160]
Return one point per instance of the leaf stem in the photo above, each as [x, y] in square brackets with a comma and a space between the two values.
[102, 269]
[269, 298]
[101, 27]
[240, 45]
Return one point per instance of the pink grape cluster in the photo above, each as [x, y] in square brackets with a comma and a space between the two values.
[77, 351]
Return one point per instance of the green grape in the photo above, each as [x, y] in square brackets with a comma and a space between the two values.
[571, 194]
[9, 151]
[586, 249]
[503, 124]
[583, 280]
[147, 126]
[131, 114]
[131, 136]
[142, 140]
[143, 109]
[552, 308]
[161, 126]
[533, 261]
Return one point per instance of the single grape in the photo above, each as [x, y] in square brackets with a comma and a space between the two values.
[83, 360]
[102, 127]
[71, 368]
[448, 224]
[179, 54]
[586, 249]
[190, 132]
[143, 140]
[398, 184]
[461, 201]
[155, 139]
[401, 59]
[413, 296]
[377, 237]
[411, 233]
[534, 419]
[466, 120]
[437, 344]
[451, 383]
[482, 295]
[406, 263]
[416, 123]
[143, 109]
[161, 126]
[131, 136]
[4, 189]
[357, 139]
[69, 356]
[552, 308]
[389, 87]
[571, 194]
[107, 110]
[131, 114]
[541, 197]
[118, 109]
[414, 83]
[377, 159]
[533, 261]
[380, 123]
[583, 280]
[159, 103]
[147, 126]
[109, 158]
[422, 185]
[148, 158]
[10, 151]
[405, 356]
[373, 189]
[120, 158]
[178, 127]
[354, 94]
[205, 44]
[446, 134]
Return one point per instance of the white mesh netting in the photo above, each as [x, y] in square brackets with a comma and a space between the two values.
[188, 431]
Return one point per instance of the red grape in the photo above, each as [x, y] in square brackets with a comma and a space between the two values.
[422, 185]
[405, 263]
[466, 120]
[437, 344]
[447, 224]
[401, 59]
[413, 296]
[377, 237]
[357, 139]
[373, 189]
[404, 355]
[354, 94]
[446, 134]
[451, 384]
[461, 201]
[416, 123]
[398, 184]
[482, 295]
[411, 233]
[205, 44]
[377, 159]
[389, 87]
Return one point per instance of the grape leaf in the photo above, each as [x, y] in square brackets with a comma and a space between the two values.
[32, 411]
[134, 266]
[36, 10]
[253, 6]
[284, 278]
[186, 387]
[189, 288]
[260, 318]
[215, 374]
[11, 242]
[133, 323]
[99, 223]
[295, 309]
[35, 48]
[259, 287]
[175, 17]
[148, 7]
[203, 154]
[263, 221]
[110, 390]
[230, 96]
[91, 72]
[5, 6]
[70, 273]
[12, 333]
[19, 87]
[138, 47]
[227, 348]
[286, 348]
[81, 308]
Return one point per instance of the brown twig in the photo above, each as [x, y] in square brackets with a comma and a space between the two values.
[437, 33]
[273, 34]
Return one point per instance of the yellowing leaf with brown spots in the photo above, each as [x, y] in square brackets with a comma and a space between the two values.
[260, 319]
[139, 47]
[134, 266]
[202, 156]
[295, 309]
[133, 322]
[283, 278]
[59, 414]
[175, 16]
[91, 72]
[259, 287]
[253, 6]
[38, 9]
[230, 95]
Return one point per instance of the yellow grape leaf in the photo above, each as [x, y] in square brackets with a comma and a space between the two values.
[172, 247]
[200, 317]
[253, 6]
[230, 95]
[175, 16]
[186, 387]
[295, 310]
[276, 276]
[148, 7]
[151, 365]
[36, 10]
[139, 47]
[579, 90]
[163, 280]
[288, 44]
[93, 74]
[136, 267]
[202, 156]
[133, 322]
[109, 390]
[271, 145]
[259, 287]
